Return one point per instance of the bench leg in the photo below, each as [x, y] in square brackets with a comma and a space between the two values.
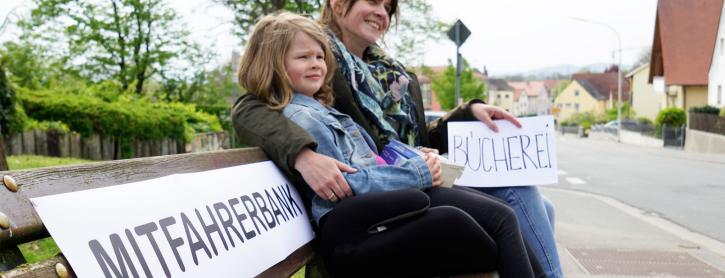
[10, 258]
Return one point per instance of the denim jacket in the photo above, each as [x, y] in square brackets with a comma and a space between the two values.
[339, 137]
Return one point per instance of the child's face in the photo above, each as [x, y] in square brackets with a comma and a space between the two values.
[305, 63]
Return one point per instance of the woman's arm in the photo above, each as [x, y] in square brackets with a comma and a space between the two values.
[414, 173]
[475, 109]
[289, 146]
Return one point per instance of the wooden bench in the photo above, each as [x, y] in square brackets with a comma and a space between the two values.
[26, 225]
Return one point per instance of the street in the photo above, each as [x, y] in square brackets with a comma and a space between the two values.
[685, 188]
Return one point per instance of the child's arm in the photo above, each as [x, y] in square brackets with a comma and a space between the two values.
[413, 173]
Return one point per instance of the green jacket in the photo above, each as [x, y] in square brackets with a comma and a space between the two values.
[282, 140]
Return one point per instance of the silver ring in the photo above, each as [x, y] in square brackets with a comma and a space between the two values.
[332, 196]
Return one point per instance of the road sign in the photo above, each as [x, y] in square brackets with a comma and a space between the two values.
[459, 33]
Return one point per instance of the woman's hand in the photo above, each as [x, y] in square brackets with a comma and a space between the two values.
[434, 165]
[487, 113]
[324, 175]
[428, 150]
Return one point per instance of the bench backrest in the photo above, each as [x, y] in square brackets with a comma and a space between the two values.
[26, 225]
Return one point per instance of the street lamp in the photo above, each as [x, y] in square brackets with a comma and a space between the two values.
[619, 72]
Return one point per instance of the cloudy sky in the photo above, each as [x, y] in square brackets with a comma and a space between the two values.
[507, 35]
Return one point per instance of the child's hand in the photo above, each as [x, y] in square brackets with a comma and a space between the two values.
[434, 165]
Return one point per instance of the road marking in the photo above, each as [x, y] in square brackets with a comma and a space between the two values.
[576, 181]
[675, 229]
[561, 173]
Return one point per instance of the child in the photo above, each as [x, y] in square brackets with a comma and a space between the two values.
[424, 230]
[286, 63]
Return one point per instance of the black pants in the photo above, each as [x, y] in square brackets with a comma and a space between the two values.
[413, 233]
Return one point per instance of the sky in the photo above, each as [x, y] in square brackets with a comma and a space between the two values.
[507, 36]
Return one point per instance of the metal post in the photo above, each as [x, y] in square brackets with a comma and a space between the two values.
[458, 100]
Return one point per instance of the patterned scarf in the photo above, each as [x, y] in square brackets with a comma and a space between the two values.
[380, 87]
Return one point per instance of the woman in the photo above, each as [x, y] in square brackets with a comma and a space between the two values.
[285, 65]
[357, 26]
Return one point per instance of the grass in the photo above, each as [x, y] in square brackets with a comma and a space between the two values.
[19, 162]
[46, 248]
[39, 250]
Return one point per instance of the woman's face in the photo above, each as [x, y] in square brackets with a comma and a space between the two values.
[364, 23]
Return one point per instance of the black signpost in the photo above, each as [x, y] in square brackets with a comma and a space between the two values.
[458, 34]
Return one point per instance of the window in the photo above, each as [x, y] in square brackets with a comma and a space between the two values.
[559, 105]
[719, 95]
[576, 107]
[576, 93]
[568, 105]
[498, 96]
[507, 95]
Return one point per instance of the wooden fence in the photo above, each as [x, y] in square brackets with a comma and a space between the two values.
[707, 123]
[97, 147]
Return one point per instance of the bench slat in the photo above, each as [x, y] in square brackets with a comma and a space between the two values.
[292, 263]
[26, 224]
[40, 269]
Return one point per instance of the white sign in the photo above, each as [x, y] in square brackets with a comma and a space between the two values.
[230, 222]
[512, 157]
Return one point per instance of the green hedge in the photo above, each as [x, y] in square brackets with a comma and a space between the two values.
[672, 117]
[125, 118]
[705, 110]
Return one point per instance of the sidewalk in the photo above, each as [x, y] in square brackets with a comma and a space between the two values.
[602, 237]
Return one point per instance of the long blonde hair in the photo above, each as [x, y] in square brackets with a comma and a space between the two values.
[262, 71]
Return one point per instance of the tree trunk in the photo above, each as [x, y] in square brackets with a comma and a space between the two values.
[3, 161]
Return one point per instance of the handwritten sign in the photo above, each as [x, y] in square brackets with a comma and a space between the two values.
[512, 157]
[230, 222]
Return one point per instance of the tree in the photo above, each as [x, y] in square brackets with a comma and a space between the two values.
[407, 38]
[125, 40]
[559, 87]
[416, 26]
[645, 55]
[444, 85]
[7, 113]
[248, 12]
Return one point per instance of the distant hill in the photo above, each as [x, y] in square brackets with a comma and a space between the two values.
[554, 72]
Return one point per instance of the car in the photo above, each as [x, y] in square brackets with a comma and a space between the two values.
[433, 115]
[628, 125]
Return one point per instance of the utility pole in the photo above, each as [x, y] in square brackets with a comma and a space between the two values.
[619, 72]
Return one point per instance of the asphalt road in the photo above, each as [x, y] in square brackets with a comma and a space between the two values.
[683, 187]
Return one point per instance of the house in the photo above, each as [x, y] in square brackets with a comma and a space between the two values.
[716, 78]
[500, 93]
[530, 98]
[590, 92]
[645, 101]
[683, 48]
[430, 101]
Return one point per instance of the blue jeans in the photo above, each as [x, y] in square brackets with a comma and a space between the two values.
[536, 220]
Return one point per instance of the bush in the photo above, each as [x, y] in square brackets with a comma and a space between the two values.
[125, 119]
[707, 109]
[672, 117]
[722, 112]
[645, 121]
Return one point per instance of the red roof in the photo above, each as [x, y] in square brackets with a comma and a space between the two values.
[605, 84]
[685, 34]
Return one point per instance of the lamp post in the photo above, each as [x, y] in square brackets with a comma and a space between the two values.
[619, 72]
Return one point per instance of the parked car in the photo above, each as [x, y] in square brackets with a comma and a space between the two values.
[433, 115]
[632, 125]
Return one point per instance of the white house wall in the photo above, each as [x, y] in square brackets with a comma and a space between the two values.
[716, 84]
